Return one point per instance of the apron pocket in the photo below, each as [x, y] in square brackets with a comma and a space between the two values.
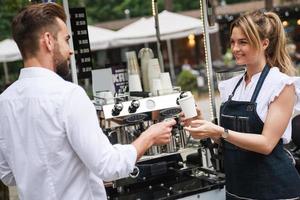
[243, 124]
[228, 121]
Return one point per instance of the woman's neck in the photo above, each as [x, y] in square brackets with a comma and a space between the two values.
[254, 69]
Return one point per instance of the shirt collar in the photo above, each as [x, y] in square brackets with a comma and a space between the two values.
[253, 78]
[33, 72]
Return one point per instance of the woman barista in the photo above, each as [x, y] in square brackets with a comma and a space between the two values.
[255, 116]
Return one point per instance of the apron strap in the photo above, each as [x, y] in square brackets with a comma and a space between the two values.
[237, 85]
[260, 82]
[258, 86]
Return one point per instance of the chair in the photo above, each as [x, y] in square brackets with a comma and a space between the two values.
[296, 131]
[296, 140]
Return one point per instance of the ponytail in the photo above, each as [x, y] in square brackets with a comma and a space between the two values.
[276, 53]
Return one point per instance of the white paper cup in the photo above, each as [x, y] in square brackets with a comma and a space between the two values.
[166, 83]
[134, 83]
[156, 86]
[153, 71]
[188, 107]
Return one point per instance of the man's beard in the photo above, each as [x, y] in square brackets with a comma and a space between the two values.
[61, 64]
[62, 69]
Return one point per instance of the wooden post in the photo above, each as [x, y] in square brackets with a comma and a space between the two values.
[169, 5]
[269, 4]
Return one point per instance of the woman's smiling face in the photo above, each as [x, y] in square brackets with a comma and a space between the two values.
[241, 49]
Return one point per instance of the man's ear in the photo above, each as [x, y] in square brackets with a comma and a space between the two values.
[265, 43]
[48, 41]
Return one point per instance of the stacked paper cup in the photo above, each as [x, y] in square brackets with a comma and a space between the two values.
[145, 54]
[153, 75]
[134, 82]
[156, 86]
[166, 83]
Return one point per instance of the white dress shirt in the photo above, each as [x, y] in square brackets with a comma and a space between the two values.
[271, 88]
[51, 145]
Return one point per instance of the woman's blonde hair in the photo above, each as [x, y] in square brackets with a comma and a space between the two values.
[258, 26]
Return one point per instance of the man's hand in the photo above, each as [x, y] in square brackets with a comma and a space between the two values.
[156, 134]
[160, 133]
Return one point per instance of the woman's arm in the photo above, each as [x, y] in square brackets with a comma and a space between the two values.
[278, 116]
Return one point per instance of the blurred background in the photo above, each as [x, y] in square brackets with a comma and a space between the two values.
[184, 54]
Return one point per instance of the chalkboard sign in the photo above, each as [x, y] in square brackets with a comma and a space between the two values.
[81, 42]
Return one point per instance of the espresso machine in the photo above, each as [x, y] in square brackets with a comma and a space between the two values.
[182, 169]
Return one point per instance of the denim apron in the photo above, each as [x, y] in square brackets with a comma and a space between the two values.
[251, 175]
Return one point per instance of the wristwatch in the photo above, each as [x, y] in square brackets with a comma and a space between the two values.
[225, 133]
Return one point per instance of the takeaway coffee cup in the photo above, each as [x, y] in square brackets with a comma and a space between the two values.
[188, 107]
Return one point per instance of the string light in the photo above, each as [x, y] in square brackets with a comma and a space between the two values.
[298, 22]
[153, 8]
[285, 23]
[206, 62]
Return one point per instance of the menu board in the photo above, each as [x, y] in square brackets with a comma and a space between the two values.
[81, 42]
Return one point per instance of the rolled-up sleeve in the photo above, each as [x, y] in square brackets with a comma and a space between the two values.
[108, 162]
[6, 174]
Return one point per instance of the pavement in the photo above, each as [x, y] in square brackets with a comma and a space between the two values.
[13, 194]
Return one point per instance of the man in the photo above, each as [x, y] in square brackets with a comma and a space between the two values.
[50, 140]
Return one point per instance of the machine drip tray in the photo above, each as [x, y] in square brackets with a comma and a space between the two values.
[172, 186]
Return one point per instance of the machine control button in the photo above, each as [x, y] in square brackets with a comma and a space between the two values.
[135, 104]
[150, 104]
[118, 107]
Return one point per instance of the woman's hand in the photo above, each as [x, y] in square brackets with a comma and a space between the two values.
[186, 122]
[201, 129]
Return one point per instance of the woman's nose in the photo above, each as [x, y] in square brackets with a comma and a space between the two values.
[235, 47]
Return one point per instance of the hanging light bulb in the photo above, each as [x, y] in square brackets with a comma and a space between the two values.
[191, 40]
[285, 23]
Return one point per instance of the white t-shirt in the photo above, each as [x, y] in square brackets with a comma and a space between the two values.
[51, 145]
[271, 88]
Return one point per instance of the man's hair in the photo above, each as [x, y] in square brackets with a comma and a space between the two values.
[33, 20]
